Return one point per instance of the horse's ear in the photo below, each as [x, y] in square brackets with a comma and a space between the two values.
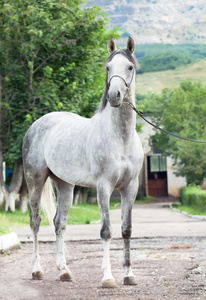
[111, 45]
[130, 44]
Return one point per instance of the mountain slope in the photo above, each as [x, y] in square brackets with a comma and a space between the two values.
[157, 21]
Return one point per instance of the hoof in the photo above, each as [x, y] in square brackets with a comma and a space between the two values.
[38, 275]
[130, 280]
[108, 283]
[65, 277]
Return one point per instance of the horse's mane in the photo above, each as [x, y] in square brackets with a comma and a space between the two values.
[131, 58]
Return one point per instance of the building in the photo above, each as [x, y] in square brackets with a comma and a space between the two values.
[157, 177]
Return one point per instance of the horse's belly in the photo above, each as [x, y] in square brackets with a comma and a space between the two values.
[75, 174]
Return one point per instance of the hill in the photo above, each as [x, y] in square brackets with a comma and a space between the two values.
[154, 82]
[157, 21]
[159, 57]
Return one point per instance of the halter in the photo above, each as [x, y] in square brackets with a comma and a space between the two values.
[127, 85]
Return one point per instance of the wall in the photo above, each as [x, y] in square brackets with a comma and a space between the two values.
[174, 183]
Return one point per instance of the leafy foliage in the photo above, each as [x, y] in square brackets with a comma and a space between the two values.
[181, 111]
[193, 196]
[51, 59]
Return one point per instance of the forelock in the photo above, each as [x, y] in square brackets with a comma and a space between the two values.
[127, 54]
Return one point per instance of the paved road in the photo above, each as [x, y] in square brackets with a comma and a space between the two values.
[149, 220]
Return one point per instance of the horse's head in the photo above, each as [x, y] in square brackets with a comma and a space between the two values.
[120, 68]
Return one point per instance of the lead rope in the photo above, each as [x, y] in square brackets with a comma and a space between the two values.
[140, 113]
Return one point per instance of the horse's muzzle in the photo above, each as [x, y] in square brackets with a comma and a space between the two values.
[114, 98]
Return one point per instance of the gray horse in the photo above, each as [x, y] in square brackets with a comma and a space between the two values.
[103, 152]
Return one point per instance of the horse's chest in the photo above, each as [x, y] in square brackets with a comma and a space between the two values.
[122, 171]
[126, 169]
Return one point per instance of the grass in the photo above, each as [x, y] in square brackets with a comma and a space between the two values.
[144, 199]
[154, 82]
[79, 214]
[190, 210]
[11, 220]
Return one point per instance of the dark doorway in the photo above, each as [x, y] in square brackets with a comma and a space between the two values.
[157, 175]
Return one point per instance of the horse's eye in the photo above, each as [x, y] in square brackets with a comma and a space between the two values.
[107, 68]
[130, 68]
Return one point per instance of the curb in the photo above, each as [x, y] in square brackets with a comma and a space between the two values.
[186, 214]
[8, 241]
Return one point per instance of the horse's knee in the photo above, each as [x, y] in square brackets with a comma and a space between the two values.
[126, 233]
[60, 228]
[106, 232]
[60, 224]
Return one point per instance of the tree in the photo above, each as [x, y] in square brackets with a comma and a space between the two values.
[51, 55]
[182, 111]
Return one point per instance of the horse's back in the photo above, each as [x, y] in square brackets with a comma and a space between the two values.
[40, 132]
[43, 126]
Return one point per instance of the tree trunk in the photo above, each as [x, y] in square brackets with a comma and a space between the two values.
[3, 190]
[24, 196]
[76, 197]
[80, 195]
[15, 186]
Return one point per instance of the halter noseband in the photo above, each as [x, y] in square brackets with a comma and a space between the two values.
[127, 85]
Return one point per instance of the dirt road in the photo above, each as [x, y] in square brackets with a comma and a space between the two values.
[166, 266]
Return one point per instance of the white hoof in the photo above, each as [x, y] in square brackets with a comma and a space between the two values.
[108, 283]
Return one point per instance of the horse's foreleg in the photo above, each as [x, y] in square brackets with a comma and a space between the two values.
[64, 197]
[128, 198]
[103, 197]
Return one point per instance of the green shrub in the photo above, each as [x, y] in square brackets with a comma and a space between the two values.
[193, 195]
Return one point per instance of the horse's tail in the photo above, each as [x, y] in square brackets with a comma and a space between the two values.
[48, 201]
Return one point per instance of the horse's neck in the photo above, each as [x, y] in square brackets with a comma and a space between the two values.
[122, 119]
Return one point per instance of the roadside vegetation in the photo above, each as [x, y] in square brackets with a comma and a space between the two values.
[193, 198]
[190, 210]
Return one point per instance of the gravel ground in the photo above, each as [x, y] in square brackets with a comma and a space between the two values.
[166, 268]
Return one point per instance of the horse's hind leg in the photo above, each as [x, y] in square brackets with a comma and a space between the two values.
[64, 198]
[128, 195]
[35, 185]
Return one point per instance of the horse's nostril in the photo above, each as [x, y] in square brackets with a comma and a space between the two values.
[118, 94]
